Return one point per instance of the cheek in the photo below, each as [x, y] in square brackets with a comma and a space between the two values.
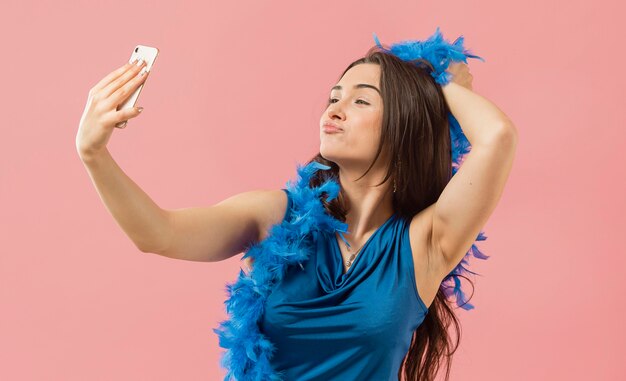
[373, 131]
[372, 140]
[364, 142]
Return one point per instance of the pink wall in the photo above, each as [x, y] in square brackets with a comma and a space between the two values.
[232, 104]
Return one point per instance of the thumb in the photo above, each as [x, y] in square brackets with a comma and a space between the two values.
[125, 115]
[129, 113]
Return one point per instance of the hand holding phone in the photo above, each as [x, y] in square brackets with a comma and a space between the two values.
[111, 103]
[145, 54]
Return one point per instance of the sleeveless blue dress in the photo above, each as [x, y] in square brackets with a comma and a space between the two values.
[327, 325]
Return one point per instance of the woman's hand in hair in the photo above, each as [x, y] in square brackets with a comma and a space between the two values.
[461, 74]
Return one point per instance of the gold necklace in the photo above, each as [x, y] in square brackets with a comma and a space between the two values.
[350, 260]
[353, 256]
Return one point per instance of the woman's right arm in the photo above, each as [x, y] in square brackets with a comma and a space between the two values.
[203, 234]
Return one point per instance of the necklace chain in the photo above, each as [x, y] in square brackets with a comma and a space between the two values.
[350, 260]
[352, 257]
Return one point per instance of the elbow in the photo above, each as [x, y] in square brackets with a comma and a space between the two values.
[505, 134]
[145, 249]
[507, 130]
[151, 249]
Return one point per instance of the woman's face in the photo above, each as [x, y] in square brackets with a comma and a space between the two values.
[358, 112]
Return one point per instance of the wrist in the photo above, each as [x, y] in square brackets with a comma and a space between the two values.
[89, 157]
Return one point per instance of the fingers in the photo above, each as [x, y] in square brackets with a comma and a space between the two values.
[126, 76]
[458, 67]
[461, 74]
[131, 83]
[112, 76]
[123, 116]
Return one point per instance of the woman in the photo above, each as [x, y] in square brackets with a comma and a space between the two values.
[385, 137]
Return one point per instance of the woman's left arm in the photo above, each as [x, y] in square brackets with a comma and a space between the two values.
[473, 192]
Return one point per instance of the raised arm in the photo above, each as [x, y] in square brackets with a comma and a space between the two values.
[204, 234]
[197, 234]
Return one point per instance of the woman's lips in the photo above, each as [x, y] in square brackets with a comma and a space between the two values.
[330, 129]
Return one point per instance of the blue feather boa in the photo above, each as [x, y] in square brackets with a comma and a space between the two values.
[248, 351]
[289, 243]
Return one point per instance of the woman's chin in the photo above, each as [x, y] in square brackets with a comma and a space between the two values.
[328, 154]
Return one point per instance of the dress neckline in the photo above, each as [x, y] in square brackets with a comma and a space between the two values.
[338, 248]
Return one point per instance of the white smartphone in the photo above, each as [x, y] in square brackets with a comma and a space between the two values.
[149, 55]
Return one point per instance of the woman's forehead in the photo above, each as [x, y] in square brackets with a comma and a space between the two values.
[357, 78]
[362, 73]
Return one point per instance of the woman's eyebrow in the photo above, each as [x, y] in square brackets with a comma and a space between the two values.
[358, 86]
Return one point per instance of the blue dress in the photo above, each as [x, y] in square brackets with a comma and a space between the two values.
[327, 325]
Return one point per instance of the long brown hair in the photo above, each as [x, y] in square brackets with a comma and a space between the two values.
[415, 131]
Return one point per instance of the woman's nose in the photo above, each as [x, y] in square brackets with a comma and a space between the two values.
[334, 110]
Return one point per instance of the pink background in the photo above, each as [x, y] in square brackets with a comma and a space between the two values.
[232, 104]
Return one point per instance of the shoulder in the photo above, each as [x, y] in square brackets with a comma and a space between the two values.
[274, 207]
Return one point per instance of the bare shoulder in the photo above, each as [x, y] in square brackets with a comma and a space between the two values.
[275, 207]
[427, 258]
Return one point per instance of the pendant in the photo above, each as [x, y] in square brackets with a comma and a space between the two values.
[349, 261]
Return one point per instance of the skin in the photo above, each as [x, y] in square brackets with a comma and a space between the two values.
[359, 112]
[215, 233]
[100, 114]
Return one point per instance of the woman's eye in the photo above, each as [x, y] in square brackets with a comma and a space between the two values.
[330, 100]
